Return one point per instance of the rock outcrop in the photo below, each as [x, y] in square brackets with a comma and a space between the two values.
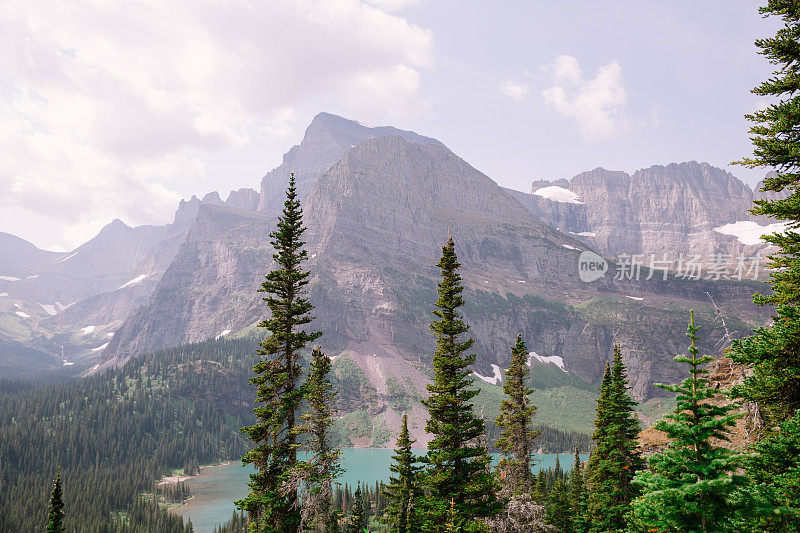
[326, 140]
[677, 210]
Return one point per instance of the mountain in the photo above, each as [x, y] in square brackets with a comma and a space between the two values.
[681, 209]
[208, 289]
[326, 140]
[378, 204]
[18, 257]
[376, 220]
[68, 304]
[72, 303]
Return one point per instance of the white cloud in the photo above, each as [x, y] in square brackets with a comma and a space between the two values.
[391, 92]
[393, 5]
[595, 104]
[105, 109]
[514, 89]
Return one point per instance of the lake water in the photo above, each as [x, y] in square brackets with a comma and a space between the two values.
[216, 487]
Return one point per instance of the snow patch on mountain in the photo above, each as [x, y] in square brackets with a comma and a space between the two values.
[70, 256]
[9, 278]
[749, 232]
[222, 334]
[101, 347]
[22, 314]
[493, 380]
[637, 298]
[134, 281]
[552, 359]
[49, 309]
[558, 194]
[87, 330]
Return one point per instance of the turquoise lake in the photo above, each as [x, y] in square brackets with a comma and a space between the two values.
[215, 489]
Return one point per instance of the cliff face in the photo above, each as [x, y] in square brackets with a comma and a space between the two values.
[209, 287]
[680, 209]
[326, 140]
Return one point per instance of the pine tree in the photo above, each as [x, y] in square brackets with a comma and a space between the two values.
[358, 518]
[774, 468]
[272, 504]
[518, 437]
[315, 476]
[55, 518]
[577, 496]
[692, 484]
[599, 483]
[626, 427]
[403, 491]
[774, 351]
[457, 463]
[559, 512]
[616, 457]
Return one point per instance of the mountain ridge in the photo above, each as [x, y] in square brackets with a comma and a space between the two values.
[377, 212]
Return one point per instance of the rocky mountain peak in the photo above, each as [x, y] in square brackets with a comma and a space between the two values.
[187, 210]
[114, 228]
[394, 182]
[246, 199]
[326, 140]
[212, 198]
[679, 208]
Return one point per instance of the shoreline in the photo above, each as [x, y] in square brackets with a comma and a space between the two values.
[169, 480]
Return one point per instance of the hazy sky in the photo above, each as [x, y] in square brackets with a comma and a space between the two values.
[112, 110]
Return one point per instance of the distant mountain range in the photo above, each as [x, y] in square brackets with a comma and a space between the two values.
[379, 203]
[682, 208]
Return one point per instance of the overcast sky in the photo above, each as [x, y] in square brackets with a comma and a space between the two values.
[117, 110]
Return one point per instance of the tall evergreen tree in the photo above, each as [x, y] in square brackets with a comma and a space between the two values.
[358, 517]
[599, 483]
[55, 518]
[626, 427]
[692, 485]
[775, 471]
[272, 504]
[774, 351]
[518, 437]
[403, 491]
[457, 470]
[616, 457]
[559, 511]
[577, 495]
[315, 475]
